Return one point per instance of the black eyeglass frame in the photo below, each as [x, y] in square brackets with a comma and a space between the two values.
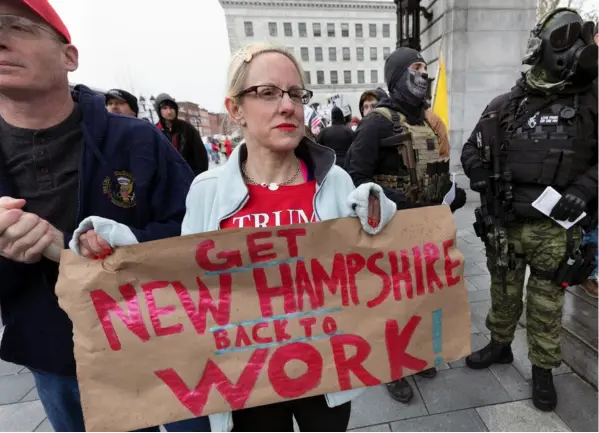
[254, 89]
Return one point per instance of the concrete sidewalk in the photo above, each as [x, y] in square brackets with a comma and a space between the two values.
[458, 399]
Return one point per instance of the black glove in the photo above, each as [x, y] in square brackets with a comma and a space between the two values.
[568, 208]
[479, 179]
[459, 201]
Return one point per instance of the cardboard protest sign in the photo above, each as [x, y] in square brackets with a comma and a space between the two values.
[237, 318]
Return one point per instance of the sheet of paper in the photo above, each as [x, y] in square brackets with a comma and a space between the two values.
[547, 201]
[450, 196]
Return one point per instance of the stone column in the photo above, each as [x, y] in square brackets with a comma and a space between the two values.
[483, 43]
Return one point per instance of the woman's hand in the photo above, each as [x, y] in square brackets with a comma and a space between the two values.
[369, 203]
[374, 211]
[92, 246]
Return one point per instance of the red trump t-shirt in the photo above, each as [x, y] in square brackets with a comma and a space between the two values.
[265, 208]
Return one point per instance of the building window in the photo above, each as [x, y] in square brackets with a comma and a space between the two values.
[359, 31]
[346, 53]
[372, 53]
[287, 29]
[332, 54]
[347, 77]
[361, 79]
[291, 50]
[386, 31]
[249, 28]
[374, 76]
[305, 55]
[372, 30]
[302, 30]
[320, 77]
[318, 54]
[334, 77]
[316, 29]
[360, 54]
[345, 30]
[307, 77]
[272, 29]
[386, 52]
[331, 30]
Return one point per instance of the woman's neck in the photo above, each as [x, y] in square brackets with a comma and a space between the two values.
[265, 166]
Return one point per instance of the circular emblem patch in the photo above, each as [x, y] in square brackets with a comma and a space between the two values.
[120, 193]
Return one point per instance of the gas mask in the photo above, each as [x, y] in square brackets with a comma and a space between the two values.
[562, 47]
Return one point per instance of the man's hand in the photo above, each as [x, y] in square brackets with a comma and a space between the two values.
[92, 246]
[479, 179]
[568, 208]
[23, 236]
[53, 251]
[459, 201]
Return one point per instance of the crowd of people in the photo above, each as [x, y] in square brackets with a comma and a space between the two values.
[69, 155]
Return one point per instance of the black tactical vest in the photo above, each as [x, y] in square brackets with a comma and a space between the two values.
[550, 147]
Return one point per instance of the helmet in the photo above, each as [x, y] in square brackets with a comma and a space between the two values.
[562, 45]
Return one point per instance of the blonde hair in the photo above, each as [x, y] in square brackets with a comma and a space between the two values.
[239, 65]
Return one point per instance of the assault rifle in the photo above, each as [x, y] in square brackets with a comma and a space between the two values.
[496, 199]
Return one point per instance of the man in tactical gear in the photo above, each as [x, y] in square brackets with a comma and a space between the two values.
[396, 147]
[543, 133]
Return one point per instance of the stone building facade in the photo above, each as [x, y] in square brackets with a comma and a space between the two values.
[483, 42]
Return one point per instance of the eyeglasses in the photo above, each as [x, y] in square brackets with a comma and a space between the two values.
[274, 93]
[23, 28]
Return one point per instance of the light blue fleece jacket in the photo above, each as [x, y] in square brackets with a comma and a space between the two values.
[217, 194]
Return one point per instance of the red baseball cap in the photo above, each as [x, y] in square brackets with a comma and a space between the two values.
[49, 15]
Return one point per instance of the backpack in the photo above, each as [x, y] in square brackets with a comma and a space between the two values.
[428, 177]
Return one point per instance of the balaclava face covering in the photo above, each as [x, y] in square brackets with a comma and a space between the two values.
[406, 86]
[411, 87]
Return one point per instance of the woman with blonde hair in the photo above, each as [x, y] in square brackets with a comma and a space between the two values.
[277, 177]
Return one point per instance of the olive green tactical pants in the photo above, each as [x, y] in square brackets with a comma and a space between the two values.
[541, 245]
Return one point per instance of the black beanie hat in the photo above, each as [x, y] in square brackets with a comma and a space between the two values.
[123, 96]
[398, 62]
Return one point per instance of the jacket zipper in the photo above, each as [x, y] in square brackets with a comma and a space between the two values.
[237, 209]
[316, 195]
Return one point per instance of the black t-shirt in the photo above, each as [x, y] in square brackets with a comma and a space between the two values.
[43, 167]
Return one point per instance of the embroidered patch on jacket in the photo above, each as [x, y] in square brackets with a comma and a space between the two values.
[532, 121]
[120, 194]
[549, 120]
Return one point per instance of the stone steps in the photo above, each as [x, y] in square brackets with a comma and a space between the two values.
[579, 333]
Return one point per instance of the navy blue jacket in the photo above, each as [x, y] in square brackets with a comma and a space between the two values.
[116, 149]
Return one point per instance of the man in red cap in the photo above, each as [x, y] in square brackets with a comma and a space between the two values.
[63, 158]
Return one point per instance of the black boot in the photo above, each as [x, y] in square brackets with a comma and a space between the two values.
[429, 373]
[400, 390]
[544, 396]
[492, 353]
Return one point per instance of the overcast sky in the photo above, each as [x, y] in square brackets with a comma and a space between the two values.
[151, 46]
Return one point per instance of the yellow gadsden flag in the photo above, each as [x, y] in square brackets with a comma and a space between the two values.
[441, 98]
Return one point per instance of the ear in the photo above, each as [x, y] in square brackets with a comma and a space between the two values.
[233, 109]
[71, 57]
